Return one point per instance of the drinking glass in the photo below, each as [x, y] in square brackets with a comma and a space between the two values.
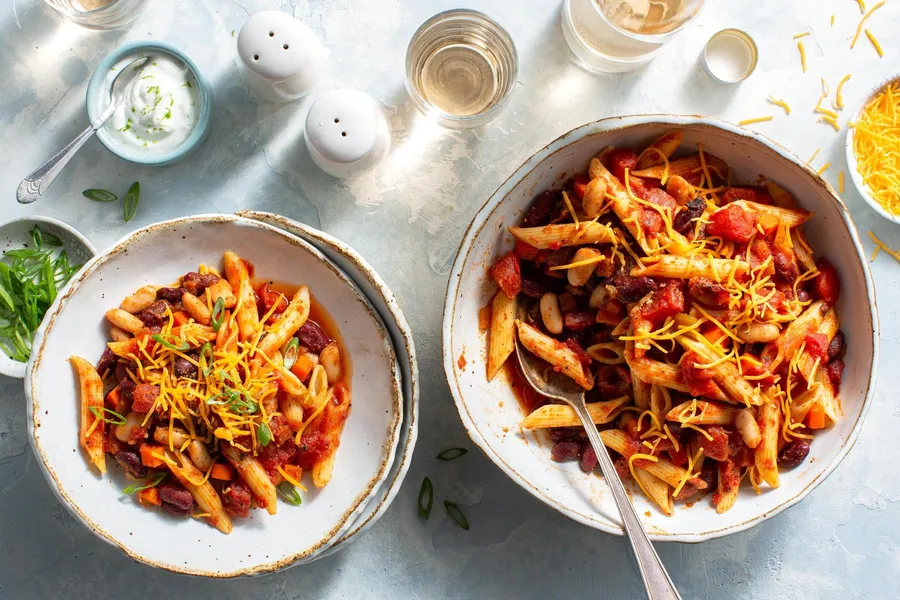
[98, 14]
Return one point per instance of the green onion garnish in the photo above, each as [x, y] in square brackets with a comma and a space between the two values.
[451, 454]
[100, 195]
[206, 358]
[289, 493]
[114, 417]
[454, 511]
[218, 315]
[29, 279]
[132, 197]
[158, 338]
[426, 498]
[290, 353]
[152, 481]
[264, 434]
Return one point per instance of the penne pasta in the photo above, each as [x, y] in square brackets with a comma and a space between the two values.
[788, 217]
[618, 441]
[292, 319]
[684, 267]
[554, 352]
[502, 336]
[727, 487]
[92, 427]
[570, 234]
[687, 166]
[642, 392]
[766, 453]
[828, 327]
[607, 353]
[657, 490]
[245, 306]
[254, 475]
[702, 412]
[776, 351]
[663, 146]
[663, 374]
[204, 494]
[329, 424]
[563, 415]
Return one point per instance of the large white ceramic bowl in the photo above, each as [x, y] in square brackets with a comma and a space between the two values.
[855, 177]
[261, 543]
[384, 301]
[491, 413]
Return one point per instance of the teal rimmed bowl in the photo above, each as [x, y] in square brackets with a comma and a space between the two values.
[97, 95]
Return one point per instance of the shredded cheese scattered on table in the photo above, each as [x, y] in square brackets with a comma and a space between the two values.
[838, 97]
[859, 28]
[755, 120]
[879, 245]
[802, 55]
[797, 36]
[875, 43]
[823, 168]
[841, 182]
[782, 104]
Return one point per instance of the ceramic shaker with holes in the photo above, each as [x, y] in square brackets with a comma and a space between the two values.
[284, 58]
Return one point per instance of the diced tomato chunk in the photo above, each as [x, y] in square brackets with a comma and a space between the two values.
[661, 198]
[827, 286]
[665, 302]
[525, 251]
[759, 252]
[746, 193]
[651, 221]
[699, 381]
[621, 159]
[578, 320]
[269, 299]
[717, 447]
[732, 223]
[508, 275]
[579, 185]
[816, 344]
[610, 313]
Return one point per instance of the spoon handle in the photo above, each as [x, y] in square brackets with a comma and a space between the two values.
[657, 582]
[37, 183]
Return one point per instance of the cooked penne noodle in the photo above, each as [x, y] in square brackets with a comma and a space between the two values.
[204, 494]
[570, 234]
[502, 336]
[663, 146]
[789, 217]
[801, 250]
[684, 267]
[562, 415]
[642, 391]
[689, 165]
[780, 197]
[594, 198]
[330, 423]
[292, 408]
[554, 352]
[608, 353]
[776, 351]
[657, 490]
[292, 319]
[702, 412]
[139, 300]
[124, 320]
[245, 307]
[663, 374]
[254, 475]
[618, 441]
[196, 308]
[727, 487]
[766, 455]
[92, 427]
[828, 327]
[746, 425]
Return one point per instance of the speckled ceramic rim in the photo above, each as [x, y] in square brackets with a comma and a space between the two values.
[33, 408]
[19, 373]
[403, 345]
[861, 187]
[599, 128]
[96, 92]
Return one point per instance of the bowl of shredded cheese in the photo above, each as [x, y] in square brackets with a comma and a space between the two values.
[872, 155]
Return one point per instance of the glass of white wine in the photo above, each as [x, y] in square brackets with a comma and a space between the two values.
[98, 14]
[621, 35]
[461, 68]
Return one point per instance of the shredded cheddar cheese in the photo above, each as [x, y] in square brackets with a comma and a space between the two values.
[813, 157]
[879, 245]
[797, 36]
[841, 182]
[830, 121]
[875, 43]
[862, 21]
[823, 168]
[802, 51]
[782, 104]
[838, 97]
[755, 120]
[876, 145]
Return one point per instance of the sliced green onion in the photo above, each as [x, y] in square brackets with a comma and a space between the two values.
[264, 434]
[114, 417]
[36, 238]
[206, 355]
[426, 498]
[218, 315]
[152, 481]
[214, 400]
[132, 197]
[100, 195]
[289, 493]
[290, 353]
[158, 338]
[451, 453]
[454, 511]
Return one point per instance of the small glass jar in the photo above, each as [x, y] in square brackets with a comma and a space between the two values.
[98, 14]
[461, 68]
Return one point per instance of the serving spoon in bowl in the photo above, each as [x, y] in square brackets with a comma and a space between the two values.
[558, 387]
[37, 183]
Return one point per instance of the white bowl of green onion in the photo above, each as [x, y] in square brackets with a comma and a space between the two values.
[38, 255]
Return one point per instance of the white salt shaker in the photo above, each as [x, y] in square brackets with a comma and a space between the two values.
[347, 133]
[284, 58]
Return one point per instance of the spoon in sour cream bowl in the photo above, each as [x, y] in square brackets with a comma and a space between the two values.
[37, 183]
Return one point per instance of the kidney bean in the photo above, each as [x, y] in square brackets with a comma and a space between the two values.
[175, 511]
[170, 295]
[589, 459]
[176, 495]
[578, 320]
[836, 348]
[155, 314]
[559, 434]
[632, 289]
[131, 463]
[835, 371]
[567, 302]
[107, 361]
[539, 210]
[126, 389]
[185, 368]
[803, 295]
[236, 498]
[313, 337]
[196, 283]
[684, 220]
[533, 289]
[793, 454]
[566, 450]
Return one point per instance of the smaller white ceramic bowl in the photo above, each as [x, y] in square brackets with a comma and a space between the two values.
[16, 233]
[861, 187]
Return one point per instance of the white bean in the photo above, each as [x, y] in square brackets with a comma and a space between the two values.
[124, 320]
[578, 276]
[599, 296]
[199, 455]
[594, 197]
[550, 313]
[132, 423]
[139, 300]
[758, 332]
[196, 308]
[330, 359]
[747, 426]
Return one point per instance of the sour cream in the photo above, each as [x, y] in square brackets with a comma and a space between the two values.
[160, 107]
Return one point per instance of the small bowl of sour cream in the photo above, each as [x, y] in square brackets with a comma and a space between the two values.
[165, 111]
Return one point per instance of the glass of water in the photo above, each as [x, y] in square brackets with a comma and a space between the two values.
[98, 14]
[461, 67]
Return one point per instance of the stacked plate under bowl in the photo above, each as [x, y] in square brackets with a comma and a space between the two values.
[378, 437]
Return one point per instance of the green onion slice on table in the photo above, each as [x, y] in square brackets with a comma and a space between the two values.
[451, 453]
[456, 514]
[426, 498]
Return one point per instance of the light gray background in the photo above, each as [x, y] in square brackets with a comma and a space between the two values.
[407, 218]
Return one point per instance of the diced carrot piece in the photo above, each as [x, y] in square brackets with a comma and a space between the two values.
[294, 471]
[302, 367]
[815, 419]
[112, 398]
[147, 455]
[222, 472]
[179, 317]
[149, 497]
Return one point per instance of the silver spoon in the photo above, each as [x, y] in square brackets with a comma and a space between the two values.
[557, 386]
[37, 183]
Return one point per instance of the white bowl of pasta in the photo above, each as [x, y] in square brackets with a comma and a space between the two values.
[221, 404]
[692, 302]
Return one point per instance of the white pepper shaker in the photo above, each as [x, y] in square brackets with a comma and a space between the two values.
[347, 133]
[284, 58]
